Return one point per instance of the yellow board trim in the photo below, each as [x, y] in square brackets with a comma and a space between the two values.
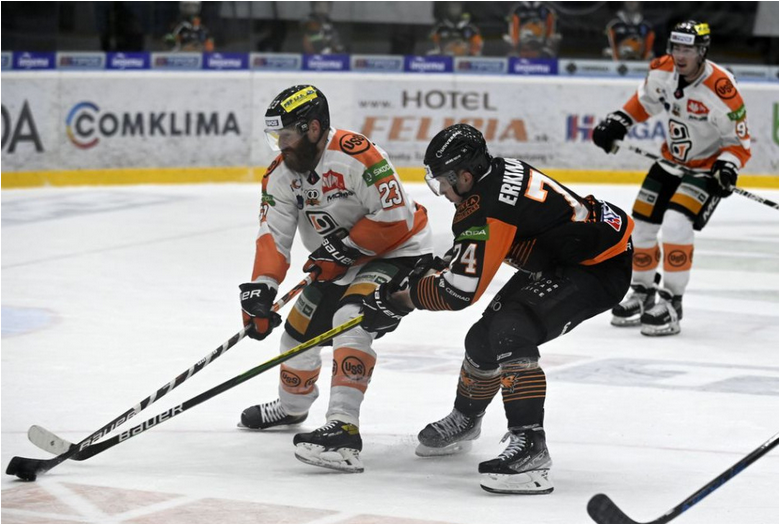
[246, 174]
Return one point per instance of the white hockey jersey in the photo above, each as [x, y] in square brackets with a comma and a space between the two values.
[354, 190]
[707, 118]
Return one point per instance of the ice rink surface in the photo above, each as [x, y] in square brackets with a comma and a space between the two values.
[109, 293]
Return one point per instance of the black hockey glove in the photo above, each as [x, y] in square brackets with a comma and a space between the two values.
[613, 128]
[381, 313]
[442, 263]
[332, 260]
[257, 299]
[726, 174]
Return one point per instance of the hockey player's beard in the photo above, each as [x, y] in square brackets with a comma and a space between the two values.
[303, 157]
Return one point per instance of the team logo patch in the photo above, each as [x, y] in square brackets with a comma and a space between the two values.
[724, 88]
[333, 181]
[466, 207]
[354, 144]
[611, 218]
[312, 178]
[694, 106]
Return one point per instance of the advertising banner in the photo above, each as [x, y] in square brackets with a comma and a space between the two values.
[30, 115]
[34, 60]
[547, 122]
[177, 61]
[210, 119]
[80, 61]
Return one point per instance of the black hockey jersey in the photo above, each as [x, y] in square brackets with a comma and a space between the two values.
[519, 215]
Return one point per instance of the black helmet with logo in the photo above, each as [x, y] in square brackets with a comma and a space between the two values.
[691, 33]
[297, 106]
[458, 147]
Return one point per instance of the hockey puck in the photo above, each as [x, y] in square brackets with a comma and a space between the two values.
[27, 477]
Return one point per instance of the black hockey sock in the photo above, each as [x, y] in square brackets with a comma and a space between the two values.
[475, 391]
[524, 392]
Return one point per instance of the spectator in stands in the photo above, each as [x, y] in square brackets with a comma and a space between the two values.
[630, 36]
[454, 34]
[532, 31]
[320, 35]
[189, 34]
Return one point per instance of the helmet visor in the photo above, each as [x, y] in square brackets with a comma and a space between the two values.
[279, 139]
[441, 182]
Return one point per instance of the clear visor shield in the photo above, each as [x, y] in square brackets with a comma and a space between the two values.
[441, 182]
[279, 139]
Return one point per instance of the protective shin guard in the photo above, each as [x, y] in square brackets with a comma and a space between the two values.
[475, 389]
[352, 368]
[524, 392]
[298, 376]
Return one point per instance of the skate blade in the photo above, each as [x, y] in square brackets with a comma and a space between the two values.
[344, 459]
[630, 321]
[451, 449]
[660, 330]
[535, 482]
[280, 427]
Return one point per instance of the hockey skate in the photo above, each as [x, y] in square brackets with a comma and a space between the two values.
[523, 468]
[270, 414]
[335, 445]
[628, 313]
[449, 435]
[664, 318]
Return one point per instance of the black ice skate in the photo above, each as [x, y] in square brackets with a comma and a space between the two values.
[267, 415]
[628, 313]
[664, 318]
[523, 468]
[449, 435]
[335, 445]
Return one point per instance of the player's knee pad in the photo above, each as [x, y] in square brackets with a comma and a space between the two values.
[474, 372]
[645, 234]
[677, 228]
[308, 360]
[356, 338]
[478, 352]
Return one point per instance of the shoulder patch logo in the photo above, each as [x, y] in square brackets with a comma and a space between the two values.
[724, 88]
[696, 107]
[738, 115]
[476, 233]
[376, 172]
[354, 144]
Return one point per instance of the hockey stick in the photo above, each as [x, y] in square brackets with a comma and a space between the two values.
[603, 511]
[29, 468]
[53, 444]
[685, 170]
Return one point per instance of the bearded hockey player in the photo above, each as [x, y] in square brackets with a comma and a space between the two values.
[342, 194]
[707, 132]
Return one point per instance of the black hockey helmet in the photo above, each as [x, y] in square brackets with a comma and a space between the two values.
[458, 147]
[691, 33]
[295, 107]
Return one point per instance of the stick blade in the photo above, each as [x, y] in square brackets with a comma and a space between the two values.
[24, 468]
[48, 441]
[603, 511]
